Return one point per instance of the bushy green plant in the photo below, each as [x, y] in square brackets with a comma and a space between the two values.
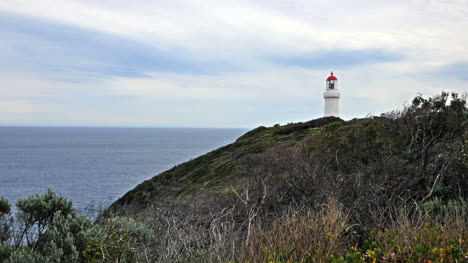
[36, 215]
[5, 251]
[5, 206]
[40, 210]
[25, 256]
[119, 239]
[6, 229]
[5, 221]
[437, 207]
[66, 238]
[48, 229]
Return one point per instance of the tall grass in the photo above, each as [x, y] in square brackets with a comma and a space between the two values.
[302, 234]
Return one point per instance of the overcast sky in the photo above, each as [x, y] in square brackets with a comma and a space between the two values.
[216, 63]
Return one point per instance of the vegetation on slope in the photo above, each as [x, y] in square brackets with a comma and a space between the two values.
[391, 188]
[411, 155]
[47, 228]
[375, 168]
[218, 169]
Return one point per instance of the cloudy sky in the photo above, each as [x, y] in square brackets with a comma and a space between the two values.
[221, 63]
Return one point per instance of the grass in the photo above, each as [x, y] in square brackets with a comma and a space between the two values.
[219, 168]
[264, 197]
[327, 236]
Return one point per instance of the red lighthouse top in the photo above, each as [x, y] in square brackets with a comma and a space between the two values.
[332, 77]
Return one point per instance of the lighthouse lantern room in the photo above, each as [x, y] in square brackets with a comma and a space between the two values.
[332, 97]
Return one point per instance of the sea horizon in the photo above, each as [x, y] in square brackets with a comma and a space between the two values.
[96, 164]
[117, 126]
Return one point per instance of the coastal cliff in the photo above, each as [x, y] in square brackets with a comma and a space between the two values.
[214, 172]
[414, 154]
[389, 188]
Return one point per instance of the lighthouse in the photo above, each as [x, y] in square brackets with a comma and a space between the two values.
[332, 97]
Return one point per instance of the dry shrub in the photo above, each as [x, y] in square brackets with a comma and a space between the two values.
[303, 234]
[194, 234]
[424, 237]
[299, 236]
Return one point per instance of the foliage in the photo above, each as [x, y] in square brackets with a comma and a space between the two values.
[438, 207]
[119, 239]
[5, 251]
[425, 240]
[25, 256]
[219, 168]
[307, 236]
[211, 208]
[409, 239]
[301, 126]
[66, 238]
[378, 189]
[5, 221]
[36, 214]
[5, 207]
[47, 228]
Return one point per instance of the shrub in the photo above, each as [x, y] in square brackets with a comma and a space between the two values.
[66, 238]
[40, 210]
[299, 236]
[47, 229]
[25, 256]
[5, 251]
[5, 207]
[119, 239]
[437, 207]
[5, 221]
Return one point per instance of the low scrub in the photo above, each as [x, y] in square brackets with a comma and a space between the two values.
[47, 228]
[391, 188]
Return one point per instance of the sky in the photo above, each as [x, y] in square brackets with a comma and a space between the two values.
[222, 63]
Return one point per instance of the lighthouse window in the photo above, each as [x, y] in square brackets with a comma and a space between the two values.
[332, 85]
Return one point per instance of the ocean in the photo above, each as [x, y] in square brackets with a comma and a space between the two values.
[96, 165]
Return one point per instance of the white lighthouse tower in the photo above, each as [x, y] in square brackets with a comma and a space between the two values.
[332, 97]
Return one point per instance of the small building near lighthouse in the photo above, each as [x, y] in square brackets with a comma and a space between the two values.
[332, 97]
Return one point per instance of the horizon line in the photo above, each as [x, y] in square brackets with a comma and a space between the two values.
[115, 126]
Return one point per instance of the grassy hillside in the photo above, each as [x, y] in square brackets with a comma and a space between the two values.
[215, 171]
[391, 188]
[414, 154]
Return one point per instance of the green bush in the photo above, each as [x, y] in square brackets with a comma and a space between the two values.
[40, 210]
[66, 238]
[48, 229]
[119, 239]
[437, 207]
[25, 256]
[5, 221]
[5, 207]
[5, 251]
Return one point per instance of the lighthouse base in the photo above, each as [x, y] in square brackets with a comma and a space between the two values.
[332, 107]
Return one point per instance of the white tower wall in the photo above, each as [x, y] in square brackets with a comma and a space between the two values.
[332, 103]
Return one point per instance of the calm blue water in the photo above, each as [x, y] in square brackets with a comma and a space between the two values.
[95, 164]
